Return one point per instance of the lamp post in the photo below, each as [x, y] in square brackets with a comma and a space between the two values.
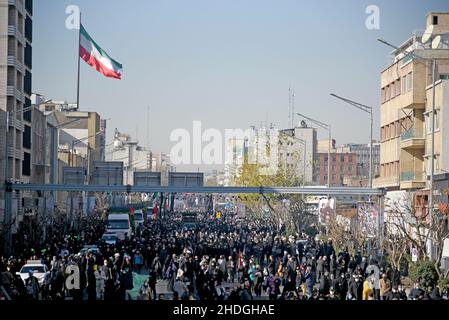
[328, 128]
[368, 110]
[434, 80]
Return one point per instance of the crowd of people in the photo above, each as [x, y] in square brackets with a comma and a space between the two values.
[225, 259]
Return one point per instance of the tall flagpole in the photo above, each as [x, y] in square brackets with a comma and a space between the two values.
[79, 60]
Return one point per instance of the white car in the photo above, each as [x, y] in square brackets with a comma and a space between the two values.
[39, 270]
[110, 238]
[93, 249]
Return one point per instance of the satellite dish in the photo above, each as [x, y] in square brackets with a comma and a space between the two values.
[303, 124]
[436, 42]
[427, 34]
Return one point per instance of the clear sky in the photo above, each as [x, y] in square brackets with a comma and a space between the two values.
[228, 63]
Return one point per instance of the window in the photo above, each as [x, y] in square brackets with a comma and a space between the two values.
[444, 76]
[393, 90]
[29, 56]
[409, 82]
[350, 169]
[435, 20]
[342, 158]
[29, 6]
[382, 95]
[387, 93]
[437, 120]
[429, 121]
[27, 114]
[334, 177]
[27, 84]
[26, 164]
[29, 29]
[404, 83]
[27, 137]
[398, 87]
[325, 178]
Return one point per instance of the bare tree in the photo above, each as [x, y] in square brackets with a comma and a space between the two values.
[405, 225]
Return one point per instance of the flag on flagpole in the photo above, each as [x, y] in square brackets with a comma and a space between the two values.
[97, 58]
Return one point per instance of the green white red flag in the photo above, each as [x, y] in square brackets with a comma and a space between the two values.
[97, 58]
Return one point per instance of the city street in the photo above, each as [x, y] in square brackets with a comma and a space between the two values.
[226, 152]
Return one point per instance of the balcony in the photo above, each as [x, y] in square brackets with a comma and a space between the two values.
[20, 96]
[18, 4]
[10, 91]
[13, 62]
[14, 123]
[386, 182]
[13, 32]
[15, 153]
[412, 180]
[411, 139]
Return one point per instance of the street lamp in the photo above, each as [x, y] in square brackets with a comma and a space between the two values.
[329, 129]
[435, 45]
[368, 110]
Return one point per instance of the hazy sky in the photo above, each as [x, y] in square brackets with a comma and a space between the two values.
[228, 63]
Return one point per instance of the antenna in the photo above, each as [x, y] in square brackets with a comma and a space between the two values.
[289, 106]
[293, 108]
[148, 127]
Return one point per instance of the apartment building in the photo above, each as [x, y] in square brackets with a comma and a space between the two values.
[16, 36]
[343, 167]
[406, 107]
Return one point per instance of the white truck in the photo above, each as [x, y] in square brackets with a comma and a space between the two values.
[120, 224]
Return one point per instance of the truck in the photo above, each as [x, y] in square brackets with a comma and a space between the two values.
[120, 224]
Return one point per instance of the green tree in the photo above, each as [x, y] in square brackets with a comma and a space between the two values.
[423, 272]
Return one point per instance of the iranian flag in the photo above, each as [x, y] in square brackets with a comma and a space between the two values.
[97, 58]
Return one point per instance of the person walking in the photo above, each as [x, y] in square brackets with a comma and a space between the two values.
[100, 278]
[385, 287]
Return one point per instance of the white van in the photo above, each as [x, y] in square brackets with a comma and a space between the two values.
[119, 224]
[138, 218]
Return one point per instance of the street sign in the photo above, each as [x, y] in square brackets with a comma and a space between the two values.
[414, 255]
[147, 178]
[185, 179]
[107, 173]
[74, 175]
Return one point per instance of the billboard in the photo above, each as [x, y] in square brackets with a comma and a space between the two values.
[147, 179]
[74, 175]
[185, 179]
[326, 210]
[107, 173]
[368, 218]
